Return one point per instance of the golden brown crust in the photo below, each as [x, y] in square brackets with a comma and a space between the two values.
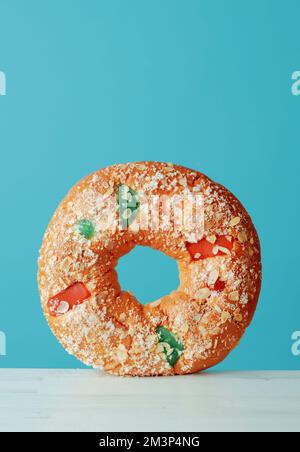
[111, 329]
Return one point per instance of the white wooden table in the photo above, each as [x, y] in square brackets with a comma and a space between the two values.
[86, 400]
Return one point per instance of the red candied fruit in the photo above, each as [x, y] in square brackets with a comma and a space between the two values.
[64, 301]
[205, 249]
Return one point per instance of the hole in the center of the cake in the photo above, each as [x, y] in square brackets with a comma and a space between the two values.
[148, 274]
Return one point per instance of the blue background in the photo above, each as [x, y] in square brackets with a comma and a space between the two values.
[203, 84]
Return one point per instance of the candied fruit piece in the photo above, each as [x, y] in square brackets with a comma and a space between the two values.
[64, 301]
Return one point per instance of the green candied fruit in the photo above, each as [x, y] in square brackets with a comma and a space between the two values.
[86, 229]
[172, 347]
[165, 335]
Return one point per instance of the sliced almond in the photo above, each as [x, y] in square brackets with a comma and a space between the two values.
[212, 277]
[225, 316]
[215, 250]
[211, 239]
[235, 221]
[182, 181]
[238, 316]
[62, 308]
[242, 237]
[217, 309]
[203, 293]
[224, 250]
[122, 317]
[234, 296]
[215, 331]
